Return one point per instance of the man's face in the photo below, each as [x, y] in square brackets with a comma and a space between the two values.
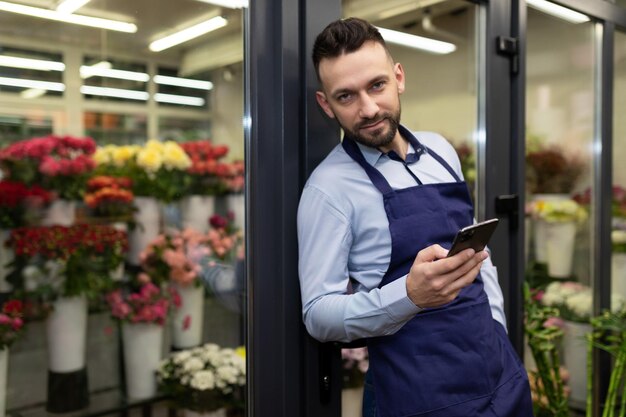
[362, 91]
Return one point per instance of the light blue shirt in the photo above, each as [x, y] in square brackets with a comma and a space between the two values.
[345, 244]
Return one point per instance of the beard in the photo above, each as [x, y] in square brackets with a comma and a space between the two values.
[379, 137]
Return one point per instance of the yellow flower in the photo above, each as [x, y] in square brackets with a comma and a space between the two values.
[103, 155]
[150, 159]
[174, 157]
[241, 351]
[122, 154]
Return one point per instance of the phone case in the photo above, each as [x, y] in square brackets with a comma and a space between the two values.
[475, 236]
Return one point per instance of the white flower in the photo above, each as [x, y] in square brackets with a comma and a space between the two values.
[580, 303]
[193, 364]
[203, 380]
[618, 236]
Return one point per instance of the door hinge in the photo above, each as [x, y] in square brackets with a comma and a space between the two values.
[508, 46]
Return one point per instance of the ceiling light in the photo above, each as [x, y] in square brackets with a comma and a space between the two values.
[87, 71]
[44, 85]
[188, 34]
[417, 42]
[174, 99]
[33, 93]
[183, 82]
[70, 6]
[232, 4]
[96, 22]
[558, 11]
[114, 92]
[28, 63]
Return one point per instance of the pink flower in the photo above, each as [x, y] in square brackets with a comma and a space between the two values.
[554, 322]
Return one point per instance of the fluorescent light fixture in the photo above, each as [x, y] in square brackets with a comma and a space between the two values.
[417, 42]
[188, 33]
[44, 85]
[558, 11]
[231, 4]
[114, 92]
[183, 82]
[28, 63]
[87, 71]
[76, 19]
[174, 99]
[70, 6]
[32, 93]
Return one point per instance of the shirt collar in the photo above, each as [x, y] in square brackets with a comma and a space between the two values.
[415, 151]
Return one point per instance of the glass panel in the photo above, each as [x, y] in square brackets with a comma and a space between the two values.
[618, 260]
[121, 199]
[559, 127]
[441, 95]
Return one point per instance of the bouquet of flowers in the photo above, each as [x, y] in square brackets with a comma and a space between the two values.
[355, 363]
[65, 261]
[205, 378]
[550, 170]
[176, 257]
[206, 170]
[110, 197]
[544, 329]
[574, 300]
[558, 211]
[147, 303]
[58, 163]
[157, 169]
[224, 239]
[18, 203]
[234, 177]
[11, 323]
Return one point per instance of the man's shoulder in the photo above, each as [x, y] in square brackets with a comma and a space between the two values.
[336, 167]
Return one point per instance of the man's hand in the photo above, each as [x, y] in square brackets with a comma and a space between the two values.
[435, 280]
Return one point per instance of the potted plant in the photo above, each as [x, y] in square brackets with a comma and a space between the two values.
[551, 170]
[206, 380]
[110, 199]
[556, 223]
[57, 163]
[142, 308]
[177, 258]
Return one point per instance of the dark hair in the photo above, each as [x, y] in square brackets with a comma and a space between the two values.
[344, 36]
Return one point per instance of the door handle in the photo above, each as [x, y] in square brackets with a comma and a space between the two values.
[508, 204]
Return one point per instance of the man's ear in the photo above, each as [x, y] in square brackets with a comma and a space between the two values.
[399, 73]
[321, 100]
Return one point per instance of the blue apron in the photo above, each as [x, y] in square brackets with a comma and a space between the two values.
[450, 361]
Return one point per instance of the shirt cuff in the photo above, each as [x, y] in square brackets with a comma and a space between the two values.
[396, 302]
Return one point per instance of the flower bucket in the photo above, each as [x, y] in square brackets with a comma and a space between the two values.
[216, 413]
[142, 346]
[560, 239]
[147, 219]
[196, 211]
[6, 256]
[60, 212]
[67, 334]
[539, 229]
[66, 329]
[618, 274]
[4, 367]
[351, 402]
[187, 323]
[575, 360]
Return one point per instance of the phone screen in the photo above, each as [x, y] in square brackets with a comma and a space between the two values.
[475, 236]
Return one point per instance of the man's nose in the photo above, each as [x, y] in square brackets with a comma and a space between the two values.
[369, 108]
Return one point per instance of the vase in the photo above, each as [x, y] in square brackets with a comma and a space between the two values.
[147, 227]
[575, 360]
[60, 213]
[4, 368]
[618, 274]
[235, 204]
[66, 329]
[142, 348]
[187, 323]
[539, 229]
[215, 413]
[351, 402]
[6, 257]
[196, 210]
[171, 221]
[560, 240]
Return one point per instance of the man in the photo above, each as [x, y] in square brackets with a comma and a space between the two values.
[374, 222]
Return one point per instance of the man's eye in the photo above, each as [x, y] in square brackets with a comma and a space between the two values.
[343, 97]
[379, 85]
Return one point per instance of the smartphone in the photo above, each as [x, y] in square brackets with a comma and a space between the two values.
[475, 236]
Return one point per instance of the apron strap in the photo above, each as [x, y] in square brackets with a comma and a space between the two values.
[375, 176]
[445, 164]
